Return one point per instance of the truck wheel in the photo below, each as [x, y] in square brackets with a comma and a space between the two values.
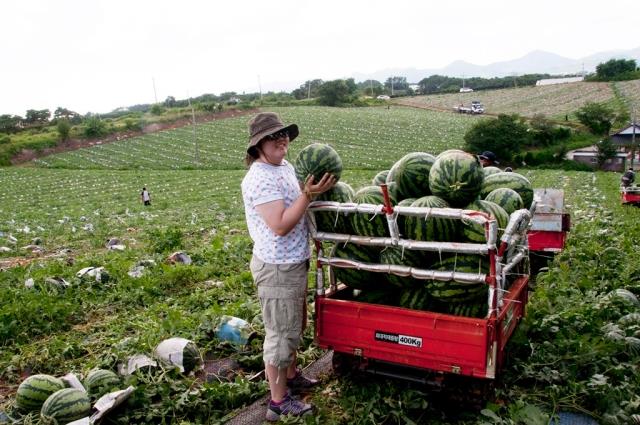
[344, 364]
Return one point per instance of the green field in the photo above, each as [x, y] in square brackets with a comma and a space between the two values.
[573, 352]
[554, 101]
[359, 134]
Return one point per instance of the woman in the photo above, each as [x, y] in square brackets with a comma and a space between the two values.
[275, 209]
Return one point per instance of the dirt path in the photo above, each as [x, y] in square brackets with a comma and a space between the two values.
[27, 155]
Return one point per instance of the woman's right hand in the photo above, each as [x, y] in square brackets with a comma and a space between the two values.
[312, 189]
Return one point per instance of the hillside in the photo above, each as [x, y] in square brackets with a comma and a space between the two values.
[554, 101]
[360, 134]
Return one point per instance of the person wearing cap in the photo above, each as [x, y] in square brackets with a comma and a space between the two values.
[488, 159]
[275, 205]
[628, 178]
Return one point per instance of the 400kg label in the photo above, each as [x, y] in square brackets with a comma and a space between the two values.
[412, 341]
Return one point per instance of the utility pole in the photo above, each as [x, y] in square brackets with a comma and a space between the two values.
[309, 90]
[371, 85]
[392, 85]
[259, 87]
[195, 139]
[633, 138]
[155, 96]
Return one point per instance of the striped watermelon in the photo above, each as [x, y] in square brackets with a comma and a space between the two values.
[474, 232]
[402, 218]
[366, 224]
[510, 180]
[456, 177]
[34, 390]
[317, 159]
[416, 298]
[507, 198]
[190, 356]
[380, 178]
[387, 295]
[432, 229]
[458, 291]
[331, 221]
[64, 406]
[411, 174]
[354, 278]
[101, 381]
[491, 170]
[477, 309]
[405, 257]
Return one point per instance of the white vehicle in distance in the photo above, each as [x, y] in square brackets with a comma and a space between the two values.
[383, 97]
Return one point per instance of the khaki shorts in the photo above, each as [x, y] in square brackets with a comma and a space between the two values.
[282, 289]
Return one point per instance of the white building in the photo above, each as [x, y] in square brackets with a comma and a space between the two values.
[551, 81]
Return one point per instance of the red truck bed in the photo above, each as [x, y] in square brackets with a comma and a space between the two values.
[421, 339]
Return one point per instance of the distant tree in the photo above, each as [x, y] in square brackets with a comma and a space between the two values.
[65, 114]
[9, 123]
[37, 116]
[606, 150]
[504, 136]
[615, 68]
[399, 84]
[94, 126]
[170, 102]
[597, 117]
[63, 128]
[371, 88]
[308, 89]
[543, 130]
[157, 109]
[337, 92]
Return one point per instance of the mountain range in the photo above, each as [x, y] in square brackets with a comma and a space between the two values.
[535, 62]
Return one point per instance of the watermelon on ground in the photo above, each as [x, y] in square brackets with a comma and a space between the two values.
[179, 352]
[474, 232]
[316, 160]
[354, 278]
[411, 174]
[329, 221]
[456, 177]
[380, 178]
[509, 180]
[64, 406]
[34, 390]
[101, 381]
[432, 228]
[507, 198]
[368, 224]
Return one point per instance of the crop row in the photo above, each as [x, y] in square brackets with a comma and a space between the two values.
[360, 135]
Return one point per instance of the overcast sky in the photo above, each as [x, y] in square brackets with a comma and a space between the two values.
[89, 55]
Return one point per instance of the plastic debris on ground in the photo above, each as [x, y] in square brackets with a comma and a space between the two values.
[136, 362]
[72, 381]
[57, 281]
[99, 274]
[235, 330]
[569, 418]
[29, 283]
[108, 402]
[179, 257]
[5, 249]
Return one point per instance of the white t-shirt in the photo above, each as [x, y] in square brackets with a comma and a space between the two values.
[266, 183]
[145, 196]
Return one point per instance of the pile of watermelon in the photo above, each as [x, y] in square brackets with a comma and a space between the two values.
[452, 179]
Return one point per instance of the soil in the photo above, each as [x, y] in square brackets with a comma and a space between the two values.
[27, 155]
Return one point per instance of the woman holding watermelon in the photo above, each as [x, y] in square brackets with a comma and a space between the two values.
[275, 206]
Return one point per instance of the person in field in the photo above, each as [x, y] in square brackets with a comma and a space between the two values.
[488, 159]
[275, 205]
[628, 178]
[144, 195]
